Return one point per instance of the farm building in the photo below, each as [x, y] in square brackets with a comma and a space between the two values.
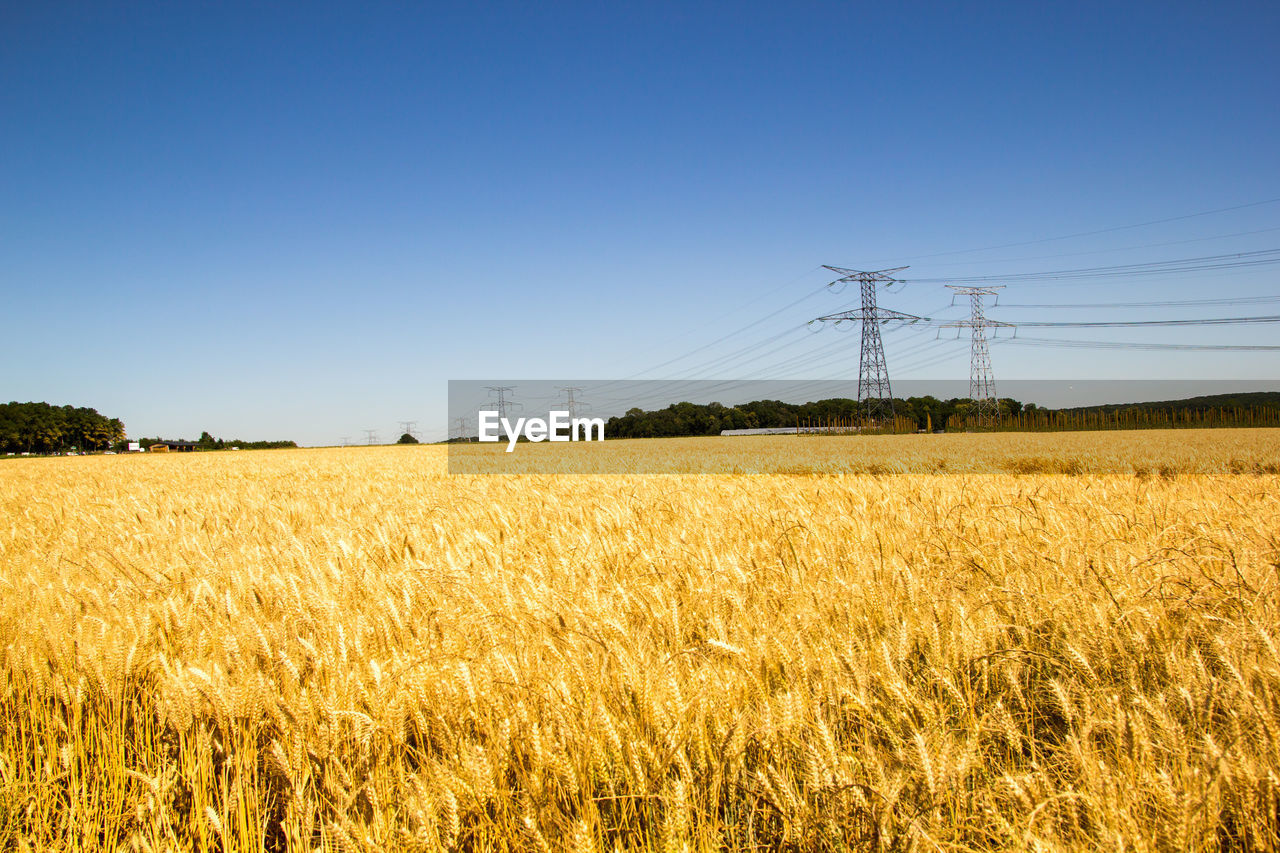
[166, 446]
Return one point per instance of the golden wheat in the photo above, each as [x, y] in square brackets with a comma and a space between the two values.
[352, 650]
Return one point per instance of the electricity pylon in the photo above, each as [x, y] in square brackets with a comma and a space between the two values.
[982, 384]
[873, 376]
[460, 429]
[407, 427]
[571, 402]
[503, 403]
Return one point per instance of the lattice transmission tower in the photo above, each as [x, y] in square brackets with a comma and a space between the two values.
[982, 383]
[504, 404]
[874, 392]
[572, 403]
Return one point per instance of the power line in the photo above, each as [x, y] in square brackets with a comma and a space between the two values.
[933, 357]
[736, 359]
[657, 388]
[720, 361]
[1167, 303]
[720, 339]
[831, 355]
[873, 377]
[1136, 345]
[739, 307]
[752, 352]
[808, 359]
[661, 392]
[1097, 231]
[1262, 257]
[1103, 324]
[928, 350]
[1123, 248]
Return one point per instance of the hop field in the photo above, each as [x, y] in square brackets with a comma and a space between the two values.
[1072, 649]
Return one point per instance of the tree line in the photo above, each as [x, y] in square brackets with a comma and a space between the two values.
[709, 419]
[208, 442]
[43, 428]
[929, 413]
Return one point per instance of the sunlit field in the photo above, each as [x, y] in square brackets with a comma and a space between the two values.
[1071, 648]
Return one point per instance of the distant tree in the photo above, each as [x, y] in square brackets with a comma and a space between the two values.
[407, 439]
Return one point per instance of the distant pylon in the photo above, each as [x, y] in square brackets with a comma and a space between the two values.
[460, 429]
[503, 403]
[571, 402]
[982, 384]
[873, 375]
[371, 436]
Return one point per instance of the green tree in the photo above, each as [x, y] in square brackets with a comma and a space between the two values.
[43, 428]
[407, 439]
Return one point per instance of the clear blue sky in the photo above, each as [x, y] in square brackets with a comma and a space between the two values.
[276, 220]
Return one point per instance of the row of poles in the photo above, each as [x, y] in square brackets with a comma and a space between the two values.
[874, 391]
[460, 427]
[873, 375]
[371, 435]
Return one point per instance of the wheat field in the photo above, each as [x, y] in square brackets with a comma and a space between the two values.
[350, 649]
